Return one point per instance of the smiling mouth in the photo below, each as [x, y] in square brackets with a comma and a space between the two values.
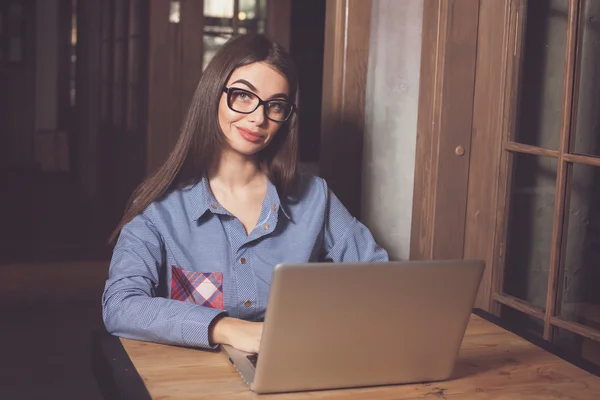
[249, 135]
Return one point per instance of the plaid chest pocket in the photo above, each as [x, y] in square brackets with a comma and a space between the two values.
[202, 288]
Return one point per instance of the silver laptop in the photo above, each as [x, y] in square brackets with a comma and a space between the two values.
[331, 325]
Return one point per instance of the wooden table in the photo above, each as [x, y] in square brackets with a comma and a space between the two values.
[494, 363]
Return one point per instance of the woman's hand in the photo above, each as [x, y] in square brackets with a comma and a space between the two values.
[240, 334]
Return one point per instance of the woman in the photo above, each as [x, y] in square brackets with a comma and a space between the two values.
[197, 245]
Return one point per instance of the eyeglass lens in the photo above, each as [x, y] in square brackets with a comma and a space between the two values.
[246, 102]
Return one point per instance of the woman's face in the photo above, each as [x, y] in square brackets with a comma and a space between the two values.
[249, 131]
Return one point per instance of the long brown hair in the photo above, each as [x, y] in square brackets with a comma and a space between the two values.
[201, 136]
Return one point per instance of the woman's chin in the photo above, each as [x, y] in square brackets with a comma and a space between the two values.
[247, 149]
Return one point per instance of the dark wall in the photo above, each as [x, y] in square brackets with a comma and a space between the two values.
[307, 34]
[17, 89]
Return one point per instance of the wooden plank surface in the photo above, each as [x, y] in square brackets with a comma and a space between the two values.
[493, 364]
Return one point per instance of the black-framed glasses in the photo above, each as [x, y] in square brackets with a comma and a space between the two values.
[246, 102]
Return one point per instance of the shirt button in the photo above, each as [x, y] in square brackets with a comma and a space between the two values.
[266, 227]
[247, 303]
[274, 207]
[214, 207]
[243, 260]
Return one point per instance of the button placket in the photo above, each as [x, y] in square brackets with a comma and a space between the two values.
[246, 283]
[241, 272]
[266, 225]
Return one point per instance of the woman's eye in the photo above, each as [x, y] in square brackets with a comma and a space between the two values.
[276, 106]
[242, 96]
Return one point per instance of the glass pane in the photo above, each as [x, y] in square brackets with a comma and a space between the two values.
[577, 346]
[218, 8]
[248, 16]
[262, 16]
[262, 8]
[175, 11]
[581, 297]
[530, 223]
[587, 128]
[219, 22]
[542, 72]
[247, 10]
[213, 39]
[521, 322]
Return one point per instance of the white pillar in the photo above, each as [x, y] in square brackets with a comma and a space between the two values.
[391, 122]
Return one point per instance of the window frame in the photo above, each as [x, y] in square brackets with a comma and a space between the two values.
[566, 159]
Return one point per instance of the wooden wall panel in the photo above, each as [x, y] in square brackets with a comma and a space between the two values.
[192, 28]
[444, 128]
[347, 33]
[425, 154]
[482, 207]
[278, 21]
[160, 52]
[175, 66]
[88, 81]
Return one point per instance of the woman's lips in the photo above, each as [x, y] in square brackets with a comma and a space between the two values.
[249, 135]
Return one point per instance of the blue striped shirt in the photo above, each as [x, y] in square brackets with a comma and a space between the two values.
[185, 259]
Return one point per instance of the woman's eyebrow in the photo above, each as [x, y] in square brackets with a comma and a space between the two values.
[254, 89]
[245, 82]
[280, 96]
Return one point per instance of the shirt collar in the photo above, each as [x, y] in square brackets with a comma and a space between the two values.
[201, 199]
[274, 199]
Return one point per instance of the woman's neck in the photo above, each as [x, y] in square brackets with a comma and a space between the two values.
[233, 170]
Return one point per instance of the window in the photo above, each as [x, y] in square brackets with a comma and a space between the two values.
[123, 32]
[106, 55]
[73, 55]
[226, 18]
[550, 230]
[12, 32]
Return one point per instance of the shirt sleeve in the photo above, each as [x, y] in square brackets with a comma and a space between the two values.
[346, 238]
[130, 306]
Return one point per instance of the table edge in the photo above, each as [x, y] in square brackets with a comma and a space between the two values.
[118, 378]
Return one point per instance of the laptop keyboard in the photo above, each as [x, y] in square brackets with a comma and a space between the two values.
[253, 358]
